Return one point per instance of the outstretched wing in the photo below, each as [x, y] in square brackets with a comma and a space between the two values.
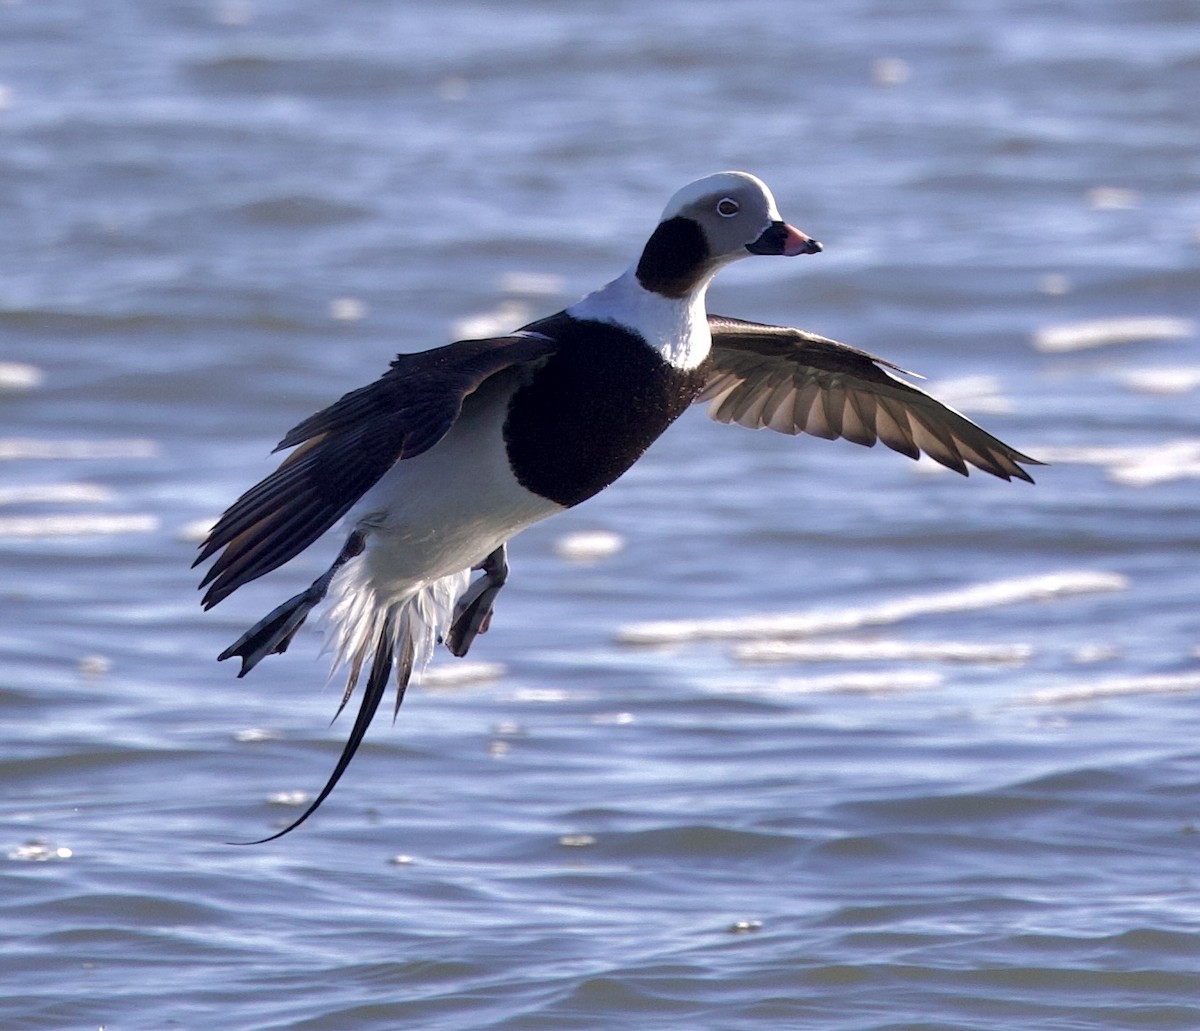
[343, 450]
[796, 382]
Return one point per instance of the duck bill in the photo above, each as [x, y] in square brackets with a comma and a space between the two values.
[781, 238]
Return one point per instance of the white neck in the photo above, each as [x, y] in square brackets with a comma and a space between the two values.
[676, 327]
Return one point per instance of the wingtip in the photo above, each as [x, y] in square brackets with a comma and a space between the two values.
[1011, 470]
[1020, 460]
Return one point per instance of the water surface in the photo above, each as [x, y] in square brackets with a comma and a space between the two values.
[962, 795]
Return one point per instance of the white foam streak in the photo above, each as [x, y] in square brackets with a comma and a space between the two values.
[824, 621]
[61, 493]
[1082, 336]
[76, 525]
[1133, 465]
[1116, 687]
[890, 682]
[12, 448]
[18, 376]
[197, 531]
[588, 545]
[972, 394]
[1171, 379]
[504, 318]
[460, 674]
[882, 651]
[533, 284]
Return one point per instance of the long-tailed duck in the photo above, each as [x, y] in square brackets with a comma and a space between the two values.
[453, 451]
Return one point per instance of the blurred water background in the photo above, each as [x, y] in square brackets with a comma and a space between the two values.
[961, 792]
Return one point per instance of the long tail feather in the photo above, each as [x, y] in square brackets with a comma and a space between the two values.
[377, 682]
[396, 631]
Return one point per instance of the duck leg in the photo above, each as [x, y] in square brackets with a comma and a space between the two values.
[272, 634]
[473, 612]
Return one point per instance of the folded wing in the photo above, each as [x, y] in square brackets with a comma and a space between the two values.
[796, 382]
[343, 450]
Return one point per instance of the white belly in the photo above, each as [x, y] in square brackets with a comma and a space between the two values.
[447, 509]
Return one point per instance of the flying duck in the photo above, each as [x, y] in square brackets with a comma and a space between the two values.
[453, 451]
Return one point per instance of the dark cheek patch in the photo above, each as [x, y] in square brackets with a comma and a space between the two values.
[676, 258]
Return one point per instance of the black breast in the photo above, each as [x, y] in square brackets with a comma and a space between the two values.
[592, 410]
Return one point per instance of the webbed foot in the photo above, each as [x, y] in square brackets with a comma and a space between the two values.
[473, 613]
[272, 634]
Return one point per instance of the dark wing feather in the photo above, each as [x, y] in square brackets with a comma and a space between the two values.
[343, 450]
[796, 382]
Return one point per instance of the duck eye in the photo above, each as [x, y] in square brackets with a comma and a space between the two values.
[727, 207]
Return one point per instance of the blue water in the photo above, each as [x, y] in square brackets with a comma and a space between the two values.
[220, 216]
